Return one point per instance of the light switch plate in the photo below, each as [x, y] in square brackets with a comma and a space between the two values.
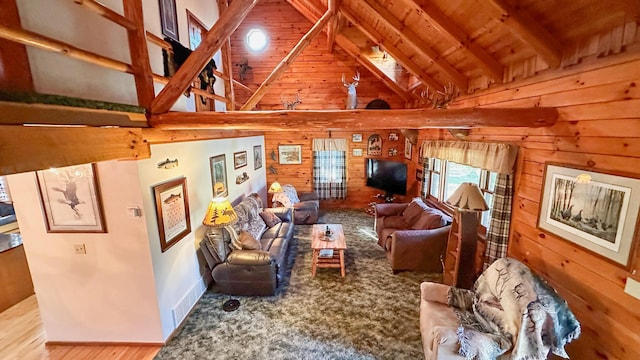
[79, 249]
[632, 288]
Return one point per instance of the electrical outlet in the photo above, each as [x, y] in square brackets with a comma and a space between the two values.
[80, 249]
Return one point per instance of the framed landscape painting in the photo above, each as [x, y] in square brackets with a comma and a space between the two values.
[71, 199]
[172, 210]
[257, 157]
[595, 210]
[218, 165]
[290, 154]
[239, 159]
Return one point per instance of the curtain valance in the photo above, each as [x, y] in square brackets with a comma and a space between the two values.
[497, 157]
[329, 145]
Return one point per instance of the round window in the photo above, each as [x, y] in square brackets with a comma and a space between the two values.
[257, 40]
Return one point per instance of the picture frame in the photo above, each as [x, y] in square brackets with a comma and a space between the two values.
[419, 175]
[595, 210]
[393, 136]
[169, 19]
[218, 166]
[172, 211]
[357, 152]
[407, 149]
[239, 159]
[374, 145]
[356, 137]
[70, 198]
[290, 154]
[257, 157]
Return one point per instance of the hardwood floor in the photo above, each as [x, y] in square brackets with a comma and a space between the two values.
[22, 337]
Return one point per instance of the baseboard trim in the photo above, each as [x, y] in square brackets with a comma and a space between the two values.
[102, 343]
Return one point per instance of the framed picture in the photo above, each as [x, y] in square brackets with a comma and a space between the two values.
[290, 154]
[257, 157]
[356, 137]
[71, 199]
[169, 19]
[595, 210]
[419, 175]
[239, 159]
[374, 145]
[172, 210]
[407, 149]
[218, 165]
[393, 136]
[357, 152]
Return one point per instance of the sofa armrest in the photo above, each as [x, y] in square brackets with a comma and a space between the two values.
[284, 213]
[411, 238]
[388, 209]
[418, 249]
[249, 257]
[430, 291]
[308, 196]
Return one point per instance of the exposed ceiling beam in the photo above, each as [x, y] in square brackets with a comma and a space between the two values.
[159, 136]
[355, 52]
[443, 23]
[227, 64]
[63, 146]
[332, 27]
[358, 120]
[412, 39]
[388, 46]
[529, 30]
[284, 64]
[227, 23]
[142, 73]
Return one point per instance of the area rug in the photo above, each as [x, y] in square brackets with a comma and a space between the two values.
[369, 314]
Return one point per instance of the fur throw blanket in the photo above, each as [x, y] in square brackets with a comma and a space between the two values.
[514, 311]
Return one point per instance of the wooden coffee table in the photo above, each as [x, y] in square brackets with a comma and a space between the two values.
[321, 245]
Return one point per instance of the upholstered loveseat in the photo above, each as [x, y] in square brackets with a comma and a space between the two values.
[250, 258]
[414, 235]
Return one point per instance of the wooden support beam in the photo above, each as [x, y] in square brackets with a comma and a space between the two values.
[443, 23]
[243, 86]
[15, 113]
[212, 42]
[529, 31]
[63, 146]
[284, 64]
[227, 64]
[159, 136]
[358, 120]
[107, 13]
[355, 52]
[412, 39]
[375, 36]
[15, 74]
[332, 27]
[139, 52]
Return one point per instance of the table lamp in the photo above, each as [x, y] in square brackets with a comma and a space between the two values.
[219, 215]
[275, 188]
[468, 201]
[278, 194]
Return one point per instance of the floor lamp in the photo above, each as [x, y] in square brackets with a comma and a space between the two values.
[468, 201]
[219, 215]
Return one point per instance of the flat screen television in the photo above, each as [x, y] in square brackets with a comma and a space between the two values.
[388, 176]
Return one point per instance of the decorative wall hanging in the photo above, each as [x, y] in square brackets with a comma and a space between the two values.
[356, 137]
[239, 159]
[290, 154]
[172, 210]
[71, 199]
[419, 175]
[169, 19]
[393, 136]
[393, 151]
[168, 164]
[242, 178]
[218, 165]
[407, 148]
[374, 145]
[257, 157]
[595, 210]
[357, 152]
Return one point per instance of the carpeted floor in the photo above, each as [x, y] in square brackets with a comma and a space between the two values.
[369, 314]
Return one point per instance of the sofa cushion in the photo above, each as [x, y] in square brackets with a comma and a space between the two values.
[415, 208]
[248, 242]
[395, 222]
[270, 218]
[430, 219]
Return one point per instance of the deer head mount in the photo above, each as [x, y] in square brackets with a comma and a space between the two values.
[351, 91]
[440, 99]
[290, 105]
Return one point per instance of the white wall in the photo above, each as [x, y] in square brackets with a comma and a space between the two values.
[68, 22]
[178, 271]
[107, 295]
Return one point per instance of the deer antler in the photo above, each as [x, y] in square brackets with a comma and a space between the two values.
[440, 99]
[357, 76]
[291, 105]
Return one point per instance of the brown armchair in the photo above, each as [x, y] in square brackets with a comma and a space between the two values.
[413, 235]
[305, 204]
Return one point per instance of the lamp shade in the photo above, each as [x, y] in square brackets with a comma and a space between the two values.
[468, 197]
[275, 188]
[220, 213]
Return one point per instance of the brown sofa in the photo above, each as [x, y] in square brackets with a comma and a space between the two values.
[414, 235]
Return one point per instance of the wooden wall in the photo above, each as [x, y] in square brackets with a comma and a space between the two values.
[599, 128]
[315, 74]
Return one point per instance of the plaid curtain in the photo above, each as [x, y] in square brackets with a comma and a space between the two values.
[330, 174]
[498, 232]
[424, 188]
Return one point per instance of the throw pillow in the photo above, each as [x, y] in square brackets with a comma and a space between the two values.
[270, 218]
[415, 208]
[395, 222]
[248, 242]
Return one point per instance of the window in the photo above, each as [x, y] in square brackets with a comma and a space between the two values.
[330, 174]
[257, 40]
[443, 178]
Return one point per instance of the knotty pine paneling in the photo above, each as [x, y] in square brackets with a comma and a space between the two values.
[599, 127]
[358, 194]
[315, 74]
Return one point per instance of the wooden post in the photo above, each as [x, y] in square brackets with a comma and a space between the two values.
[139, 53]
[15, 74]
[223, 5]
